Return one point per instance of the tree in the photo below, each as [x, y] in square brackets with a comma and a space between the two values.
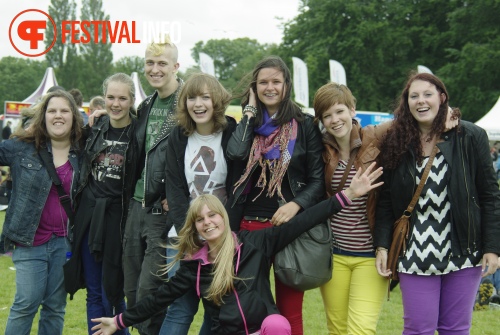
[20, 77]
[59, 10]
[233, 59]
[377, 41]
[472, 72]
[63, 58]
[131, 64]
[97, 57]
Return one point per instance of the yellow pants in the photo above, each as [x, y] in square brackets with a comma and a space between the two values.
[354, 296]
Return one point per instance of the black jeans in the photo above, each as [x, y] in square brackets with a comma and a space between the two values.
[144, 252]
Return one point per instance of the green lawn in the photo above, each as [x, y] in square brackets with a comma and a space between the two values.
[484, 322]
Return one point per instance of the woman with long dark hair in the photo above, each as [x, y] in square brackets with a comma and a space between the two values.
[454, 234]
[36, 224]
[284, 171]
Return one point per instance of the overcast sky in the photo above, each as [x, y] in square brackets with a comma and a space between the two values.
[189, 21]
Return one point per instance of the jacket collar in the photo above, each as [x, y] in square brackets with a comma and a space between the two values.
[202, 254]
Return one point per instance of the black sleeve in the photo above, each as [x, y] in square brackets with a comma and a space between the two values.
[176, 189]
[241, 140]
[153, 303]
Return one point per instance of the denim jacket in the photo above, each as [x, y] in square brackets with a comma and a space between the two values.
[31, 185]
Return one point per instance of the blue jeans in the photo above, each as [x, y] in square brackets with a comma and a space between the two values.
[181, 312]
[495, 279]
[97, 302]
[39, 281]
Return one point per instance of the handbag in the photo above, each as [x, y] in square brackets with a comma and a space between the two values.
[306, 263]
[293, 265]
[402, 225]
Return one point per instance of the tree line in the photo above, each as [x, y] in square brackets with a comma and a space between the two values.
[377, 41]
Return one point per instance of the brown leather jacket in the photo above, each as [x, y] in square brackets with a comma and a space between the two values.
[367, 139]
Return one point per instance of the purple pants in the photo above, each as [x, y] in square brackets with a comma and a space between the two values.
[443, 303]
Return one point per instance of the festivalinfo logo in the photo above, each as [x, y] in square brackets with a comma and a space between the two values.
[28, 29]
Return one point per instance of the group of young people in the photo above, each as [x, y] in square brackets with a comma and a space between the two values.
[179, 180]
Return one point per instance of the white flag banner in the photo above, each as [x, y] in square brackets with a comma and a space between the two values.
[337, 73]
[423, 69]
[300, 82]
[207, 64]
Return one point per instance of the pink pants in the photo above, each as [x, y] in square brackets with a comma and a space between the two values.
[275, 324]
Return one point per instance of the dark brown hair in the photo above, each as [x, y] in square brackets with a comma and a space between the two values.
[287, 109]
[38, 129]
[404, 134]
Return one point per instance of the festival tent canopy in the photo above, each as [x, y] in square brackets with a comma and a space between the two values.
[139, 92]
[49, 80]
[491, 122]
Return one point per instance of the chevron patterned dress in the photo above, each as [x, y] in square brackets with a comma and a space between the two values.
[429, 251]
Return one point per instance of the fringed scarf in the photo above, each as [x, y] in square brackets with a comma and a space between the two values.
[272, 149]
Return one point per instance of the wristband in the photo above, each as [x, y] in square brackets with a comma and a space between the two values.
[251, 109]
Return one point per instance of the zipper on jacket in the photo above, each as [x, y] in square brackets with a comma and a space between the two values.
[470, 224]
[144, 182]
[245, 131]
[158, 141]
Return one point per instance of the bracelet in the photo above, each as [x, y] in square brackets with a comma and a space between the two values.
[380, 249]
[251, 109]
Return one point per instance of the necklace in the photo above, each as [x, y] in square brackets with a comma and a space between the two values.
[107, 155]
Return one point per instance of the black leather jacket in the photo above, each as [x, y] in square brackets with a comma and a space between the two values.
[253, 261]
[472, 191]
[305, 171]
[94, 145]
[155, 159]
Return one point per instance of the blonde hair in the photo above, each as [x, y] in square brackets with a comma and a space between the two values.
[156, 49]
[195, 85]
[189, 243]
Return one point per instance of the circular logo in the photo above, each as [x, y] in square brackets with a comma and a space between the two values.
[27, 32]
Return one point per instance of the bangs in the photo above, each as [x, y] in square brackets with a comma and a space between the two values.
[197, 87]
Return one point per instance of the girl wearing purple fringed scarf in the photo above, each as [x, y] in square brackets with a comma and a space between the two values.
[284, 173]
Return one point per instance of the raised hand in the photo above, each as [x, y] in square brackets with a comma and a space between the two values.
[362, 182]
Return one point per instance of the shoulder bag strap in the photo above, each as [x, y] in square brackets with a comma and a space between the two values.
[428, 166]
[347, 169]
[51, 169]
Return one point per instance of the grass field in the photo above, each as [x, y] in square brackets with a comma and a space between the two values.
[390, 323]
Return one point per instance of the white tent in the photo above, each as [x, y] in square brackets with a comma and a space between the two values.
[139, 92]
[491, 122]
[49, 80]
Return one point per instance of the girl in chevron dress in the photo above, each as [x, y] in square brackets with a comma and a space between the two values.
[454, 236]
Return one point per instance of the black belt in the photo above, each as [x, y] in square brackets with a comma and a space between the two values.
[256, 218]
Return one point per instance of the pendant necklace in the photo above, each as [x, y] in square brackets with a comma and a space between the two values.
[107, 154]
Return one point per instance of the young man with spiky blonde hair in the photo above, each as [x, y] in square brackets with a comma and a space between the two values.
[145, 234]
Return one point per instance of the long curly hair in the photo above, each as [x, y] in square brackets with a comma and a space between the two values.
[404, 134]
[189, 242]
